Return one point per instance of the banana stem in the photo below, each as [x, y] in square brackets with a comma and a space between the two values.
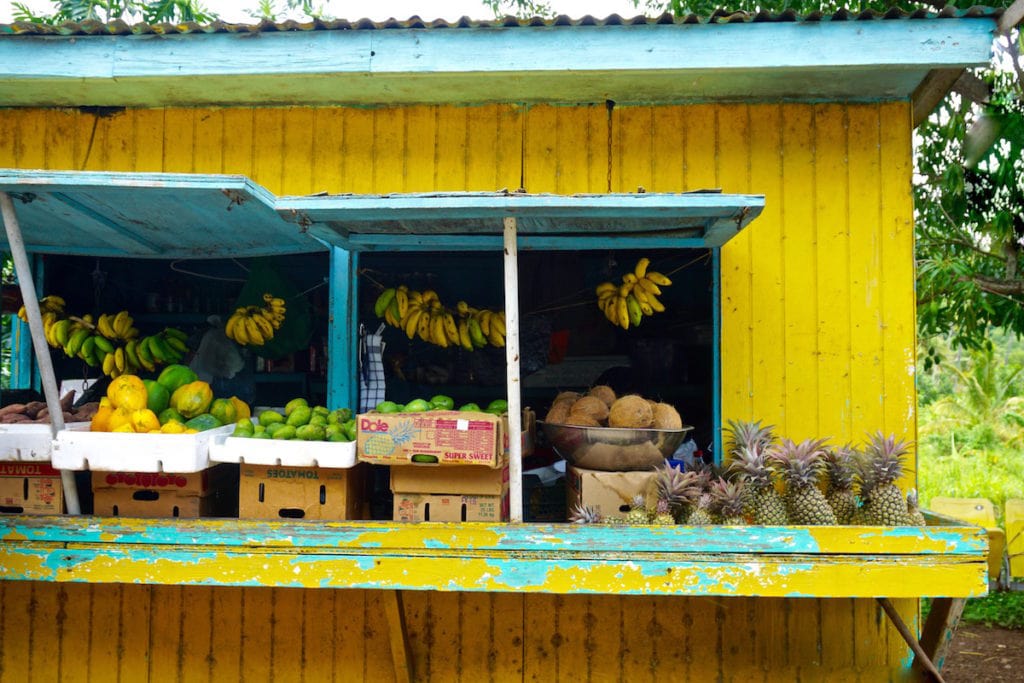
[80, 321]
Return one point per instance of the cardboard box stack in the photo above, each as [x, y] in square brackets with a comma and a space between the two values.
[208, 493]
[446, 465]
[30, 488]
[283, 492]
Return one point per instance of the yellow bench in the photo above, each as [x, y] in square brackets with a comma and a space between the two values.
[981, 512]
[1015, 530]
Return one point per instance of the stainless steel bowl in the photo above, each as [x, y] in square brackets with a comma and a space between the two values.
[613, 449]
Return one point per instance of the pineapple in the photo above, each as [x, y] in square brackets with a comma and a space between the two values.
[748, 435]
[638, 511]
[384, 444]
[801, 465]
[842, 463]
[727, 502]
[914, 515]
[765, 504]
[613, 521]
[700, 515]
[882, 466]
[676, 488]
[584, 514]
[662, 514]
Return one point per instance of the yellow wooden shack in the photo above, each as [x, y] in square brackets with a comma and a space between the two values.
[817, 336]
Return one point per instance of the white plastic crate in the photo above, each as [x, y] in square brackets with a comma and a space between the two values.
[116, 451]
[30, 442]
[290, 453]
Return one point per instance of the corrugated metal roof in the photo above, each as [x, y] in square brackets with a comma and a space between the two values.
[119, 27]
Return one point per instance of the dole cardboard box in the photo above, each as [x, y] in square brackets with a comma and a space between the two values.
[208, 493]
[451, 507]
[279, 492]
[610, 493]
[30, 488]
[470, 481]
[445, 437]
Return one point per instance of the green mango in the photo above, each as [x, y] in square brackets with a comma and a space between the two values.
[169, 414]
[442, 402]
[299, 416]
[284, 433]
[318, 420]
[471, 407]
[310, 432]
[388, 407]
[417, 405]
[321, 410]
[290, 407]
[269, 417]
[244, 428]
[275, 427]
[497, 406]
[261, 435]
[339, 416]
[336, 438]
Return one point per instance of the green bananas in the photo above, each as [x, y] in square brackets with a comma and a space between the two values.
[625, 305]
[422, 315]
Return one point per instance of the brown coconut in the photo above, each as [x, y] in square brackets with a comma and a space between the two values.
[581, 419]
[666, 417]
[570, 396]
[559, 412]
[632, 412]
[605, 393]
[592, 406]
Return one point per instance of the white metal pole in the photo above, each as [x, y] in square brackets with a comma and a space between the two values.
[515, 404]
[35, 326]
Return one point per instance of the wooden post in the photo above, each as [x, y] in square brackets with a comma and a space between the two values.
[515, 404]
[939, 629]
[398, 636]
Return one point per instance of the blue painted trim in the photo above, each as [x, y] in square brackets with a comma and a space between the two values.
[526, 243]
[548, 63]
[716, 352]
[24, 374]
[372, 537]
[343, 339]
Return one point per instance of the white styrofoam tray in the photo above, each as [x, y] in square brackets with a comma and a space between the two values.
[286, 453]
[119, 452]
[30, 442]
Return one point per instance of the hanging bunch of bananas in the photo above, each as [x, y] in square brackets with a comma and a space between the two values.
[637, 296]
[110, 342]
[255, 325]
[421, 314]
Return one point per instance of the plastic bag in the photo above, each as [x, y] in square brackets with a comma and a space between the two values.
[217, 356]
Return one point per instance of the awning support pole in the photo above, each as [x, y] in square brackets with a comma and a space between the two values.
[35, 326]
[515, 404]
[922, 659]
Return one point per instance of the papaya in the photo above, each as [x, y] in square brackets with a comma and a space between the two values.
[101, 420]
[173, 427]
[192, 399]
[174, 376]
[158, 398]
[145, 420]
[119, 419]
[203, 422]
[242, 409]
[224, 410]
[128, 392]
[170, 414]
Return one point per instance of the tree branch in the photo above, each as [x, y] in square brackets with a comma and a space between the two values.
[992, 285]
[962, 243]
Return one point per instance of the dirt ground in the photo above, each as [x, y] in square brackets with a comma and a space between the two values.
[985, 655]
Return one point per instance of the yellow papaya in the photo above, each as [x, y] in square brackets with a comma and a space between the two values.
[192, 399]
[128, 392]
[224, 410]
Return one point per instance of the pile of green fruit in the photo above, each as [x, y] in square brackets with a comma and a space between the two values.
[300, 422]
[498, 406]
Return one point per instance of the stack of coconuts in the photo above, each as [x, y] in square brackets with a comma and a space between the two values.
[600, 407]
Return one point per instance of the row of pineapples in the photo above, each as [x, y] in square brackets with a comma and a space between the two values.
[820, 485]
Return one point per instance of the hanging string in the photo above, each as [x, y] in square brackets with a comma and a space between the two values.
[178, 269]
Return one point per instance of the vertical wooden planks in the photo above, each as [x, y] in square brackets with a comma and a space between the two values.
[268, 148]
[867, 380]
[476, 637]
[632, 141]
[105, 630]
[389, 150]
[347, 625]
[378, 665]
[148, 140]
[179, 141]
[239, 140]
[288, 629]
[832, 253]
[196, 634]
[798, 246]
[257, 617]
[540, 650]
[297, 151]
[580, 133]
[29, 131]
[357, 151]
[602, 642]
[507, 620]
[73, 646]
[326, 150]
[58, 154]
[447, 641]
[768, 322]
[224, 661]
[133, 663]
[209, 140]
[118, 131]
[897, 271]
[166, 623]
[539, 149]
[736, 289]
[450, 148]
[420, 148]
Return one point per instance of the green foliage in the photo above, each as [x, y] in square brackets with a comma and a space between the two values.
[155, 11]
[1004, 609]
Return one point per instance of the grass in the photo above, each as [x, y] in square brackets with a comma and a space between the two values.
[1004, 608]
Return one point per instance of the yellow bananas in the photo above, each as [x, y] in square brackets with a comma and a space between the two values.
[626, 305]
[110, 342]
[422, 315]
[255, 325]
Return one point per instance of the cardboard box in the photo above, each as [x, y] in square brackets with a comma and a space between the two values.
[609, 493]
[470, 481]
[208, 493]
[423, 507]
[30, 488]
[275, 492]
[448, 437]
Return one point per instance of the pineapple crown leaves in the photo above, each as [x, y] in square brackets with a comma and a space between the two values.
[584, 514]
[801, 464]
[912, 501]
[638, 502]
[728, 498]
[748, 434]
[676, 487]
[752, 467]
[403, 431]
[842, 465]
[882, 460]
